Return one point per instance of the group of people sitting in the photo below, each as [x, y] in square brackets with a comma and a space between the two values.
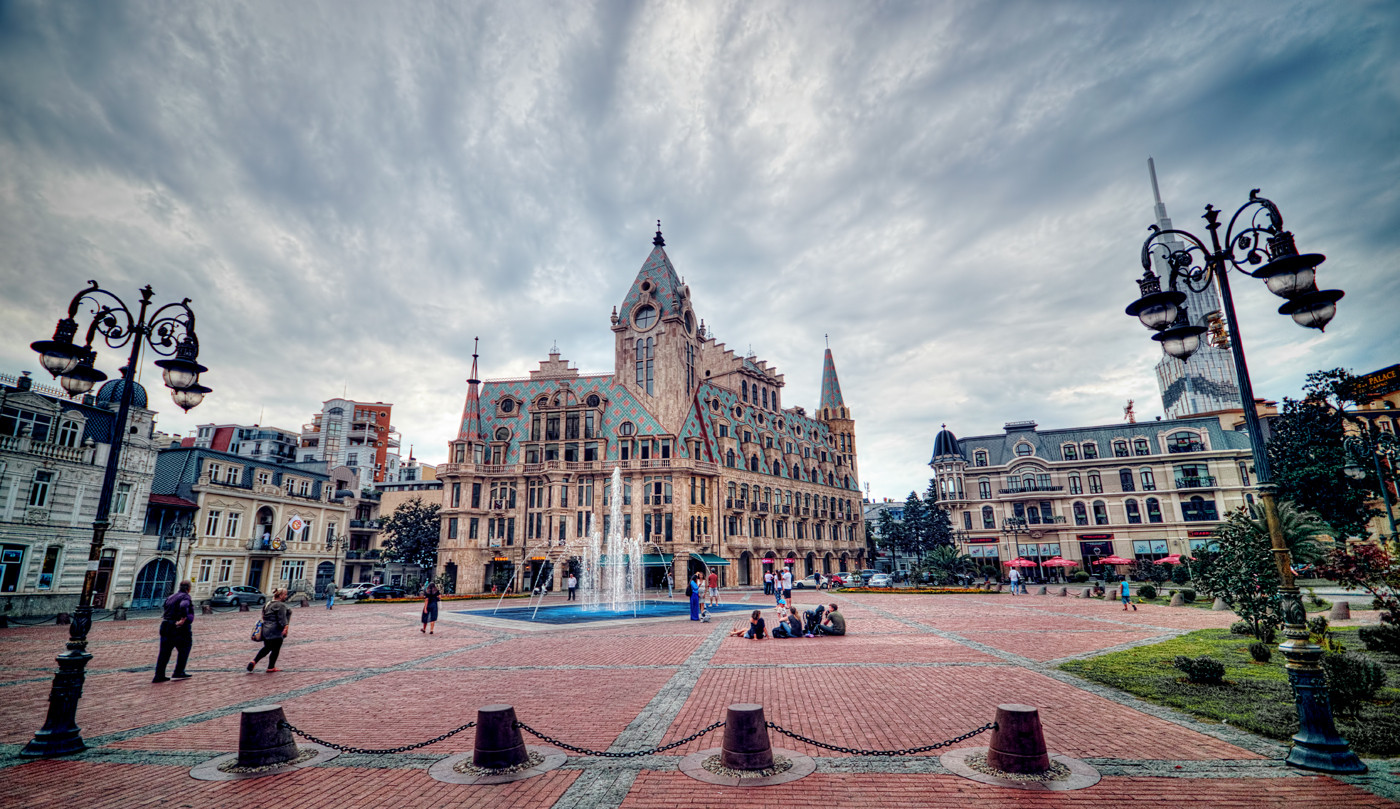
[817, 621]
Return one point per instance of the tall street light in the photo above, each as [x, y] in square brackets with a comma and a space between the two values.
[169, 331]
[1378, 445]
[1195, 265]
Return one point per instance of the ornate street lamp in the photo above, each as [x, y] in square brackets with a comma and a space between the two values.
[1195, 266]
[169, 331]
[1377, 445]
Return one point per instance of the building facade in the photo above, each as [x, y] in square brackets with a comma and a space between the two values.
[1379, 408]
[243, 524]
[1136, 490]
[1205, 382]
[53, 453]
[716, 472]
[271, 444]
[354, 434]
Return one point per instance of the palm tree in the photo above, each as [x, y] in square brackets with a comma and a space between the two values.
[945, 563]
[1301, 530]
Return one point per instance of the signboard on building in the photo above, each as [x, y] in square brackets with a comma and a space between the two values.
[1200, 533]
[1092, 537]
[1378, 383]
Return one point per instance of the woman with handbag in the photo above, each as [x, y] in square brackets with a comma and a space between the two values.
[272, 630]
[431, 594]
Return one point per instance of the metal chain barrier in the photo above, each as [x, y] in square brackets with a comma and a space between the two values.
[905, 752]
[370, 752]
[607, 754]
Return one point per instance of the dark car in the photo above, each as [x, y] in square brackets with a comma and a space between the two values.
[226, 596]
[384, 591]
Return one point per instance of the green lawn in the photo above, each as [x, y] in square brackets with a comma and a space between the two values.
[1255, 696]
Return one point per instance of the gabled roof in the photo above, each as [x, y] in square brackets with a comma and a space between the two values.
[656, 279]
[831, 386]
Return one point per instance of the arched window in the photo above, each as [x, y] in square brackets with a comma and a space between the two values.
[1149, 483]
[1140, 447]
[753, 463]
[1081, 515]
[1154, 510]
[777, 468]
[1076, 486]
[729, 458]
[1095, 483]
[744, 388]
[1125, 479]
[1024, 449]
[988, 518]
[1091, 451]
[1033, 515]
[1100, 513]
[1131, 507]
[1070, 453]
[980, 457]
[984, 489]
[1184, 441]
[68, 433]
[765, 398]
[1120, 449]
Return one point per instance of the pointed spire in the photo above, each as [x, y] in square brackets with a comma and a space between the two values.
[471, 412]
[656, 283]
[831, 386]
[658, 241]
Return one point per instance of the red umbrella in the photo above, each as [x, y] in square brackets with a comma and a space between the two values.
[1058, 562]
[1020, 562]
[1114, 560]
[1174, 559]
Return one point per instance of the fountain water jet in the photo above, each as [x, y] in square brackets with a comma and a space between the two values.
[612, 566]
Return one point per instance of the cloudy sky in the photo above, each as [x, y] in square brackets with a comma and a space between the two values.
[955, 192]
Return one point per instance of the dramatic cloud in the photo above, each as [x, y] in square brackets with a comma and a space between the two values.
[956, 194]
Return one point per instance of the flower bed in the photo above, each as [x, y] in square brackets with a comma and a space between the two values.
[916, 590]
[419, 599]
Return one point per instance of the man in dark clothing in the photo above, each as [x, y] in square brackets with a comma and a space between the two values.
[811, 619]
[835, 623]
[175, 634]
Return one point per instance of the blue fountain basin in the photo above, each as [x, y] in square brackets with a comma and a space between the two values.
[577, 614]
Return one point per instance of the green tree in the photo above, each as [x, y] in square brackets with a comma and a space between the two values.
[1239, 568]
[1306, 455]
[945, 564]
[412, 533]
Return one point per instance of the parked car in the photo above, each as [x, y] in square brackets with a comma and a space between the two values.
[842, 579]
[866, 574]
[226, 596]
[806, 583]
[879, 580]
[384, 591]
[354, 590]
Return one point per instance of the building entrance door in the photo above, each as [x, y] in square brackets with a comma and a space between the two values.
[255, 573]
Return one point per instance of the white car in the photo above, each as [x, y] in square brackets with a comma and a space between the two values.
[879, 580]
[353, 591]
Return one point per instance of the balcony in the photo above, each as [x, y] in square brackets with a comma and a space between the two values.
[1193, 446]
[1031, 488]
[753, 506]
[266, 546]
[763, 507]
[1195, 483]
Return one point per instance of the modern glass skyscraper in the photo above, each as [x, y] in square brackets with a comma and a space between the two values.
[1206, 381]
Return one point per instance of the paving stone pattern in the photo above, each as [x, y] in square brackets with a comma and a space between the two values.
[913, 671]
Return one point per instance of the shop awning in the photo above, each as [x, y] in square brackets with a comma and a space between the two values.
[657, 559]
[710, 559]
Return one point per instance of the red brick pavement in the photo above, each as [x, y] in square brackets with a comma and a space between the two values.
[668, 790]
[1052, 645]
[903, 647]
[122, 786]
[654, 650]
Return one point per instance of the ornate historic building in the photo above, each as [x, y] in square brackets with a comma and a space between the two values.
[1137, 490]
[717, 473]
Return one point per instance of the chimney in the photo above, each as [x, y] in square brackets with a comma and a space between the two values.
[24, 382]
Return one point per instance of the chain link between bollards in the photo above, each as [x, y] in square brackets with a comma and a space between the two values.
[366, 751]
[607, 754]
[905, 752]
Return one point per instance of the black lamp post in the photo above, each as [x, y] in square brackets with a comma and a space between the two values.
[1377, 445]
[1291, 276]
[169, 331]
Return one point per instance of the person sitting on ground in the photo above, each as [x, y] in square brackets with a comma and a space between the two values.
[756, 630]
[792, 625]
[811, 620]
[835, 623]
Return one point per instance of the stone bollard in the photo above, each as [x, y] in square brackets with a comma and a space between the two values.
[498, 740]
[746, 743]
[1341, 611]
[1177, 600]
[1220, 605]
[242, 606]
[119, 614]
[262, 739]
[205, 609]
[1018, 742]
[1088, 592]
[1042, 591]
[1064, 591]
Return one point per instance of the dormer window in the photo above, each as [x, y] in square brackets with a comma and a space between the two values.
[979, 458]
[644, 316]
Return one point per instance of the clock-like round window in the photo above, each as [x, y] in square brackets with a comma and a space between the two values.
[644, 317]
[626, 428]
[507, 405]
[593, 400]
[502, 434]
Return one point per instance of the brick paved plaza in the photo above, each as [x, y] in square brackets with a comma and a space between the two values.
[915, 670]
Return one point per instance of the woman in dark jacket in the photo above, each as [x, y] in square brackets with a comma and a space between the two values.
[693, 590]
[275, 617]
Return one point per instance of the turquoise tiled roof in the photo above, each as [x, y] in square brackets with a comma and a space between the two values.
[831, 386]
[1047, 443]
[665, 287]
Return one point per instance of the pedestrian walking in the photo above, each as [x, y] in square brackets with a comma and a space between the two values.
[1126, 594]
[768, 582]
[176, 634]
[430, 594]
[714, 588]
[330, 596]
[692, 590]
[275, 618]
[670, 585]
[572, 583]
[1015, 580]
